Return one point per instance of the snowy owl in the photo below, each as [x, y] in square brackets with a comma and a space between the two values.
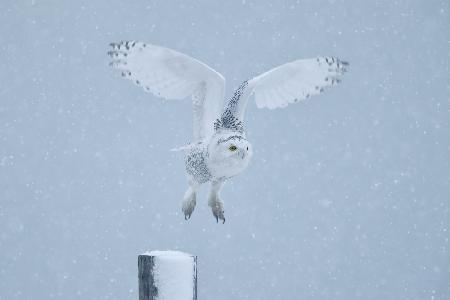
[219, 149]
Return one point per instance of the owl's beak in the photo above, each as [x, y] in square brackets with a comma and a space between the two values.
[241, 154]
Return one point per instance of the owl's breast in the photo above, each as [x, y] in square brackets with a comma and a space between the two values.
[228, 167]
[221, 166]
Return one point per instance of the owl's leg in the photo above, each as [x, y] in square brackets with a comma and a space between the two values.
[189, 200]
[214, 201]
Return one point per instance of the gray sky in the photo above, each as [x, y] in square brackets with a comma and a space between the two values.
[347, 195]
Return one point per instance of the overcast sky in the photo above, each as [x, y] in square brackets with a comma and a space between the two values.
[347, 195]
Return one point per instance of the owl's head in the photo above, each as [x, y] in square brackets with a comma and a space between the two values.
[229, 154]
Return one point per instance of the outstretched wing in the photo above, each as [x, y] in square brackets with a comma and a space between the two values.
[283, 85]
[172, 75]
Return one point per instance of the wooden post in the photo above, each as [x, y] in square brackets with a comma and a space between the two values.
[167, 275]
[147, 288]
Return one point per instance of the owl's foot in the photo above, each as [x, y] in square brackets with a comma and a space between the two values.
[189, 204]
[214, 201]
[217, 210]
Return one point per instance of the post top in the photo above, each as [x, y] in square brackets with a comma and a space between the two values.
[170, 254]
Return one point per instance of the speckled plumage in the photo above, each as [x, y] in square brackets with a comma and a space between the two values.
[196, 163]
[228, 120]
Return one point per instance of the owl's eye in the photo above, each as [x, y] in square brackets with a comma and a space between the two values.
[232, 148]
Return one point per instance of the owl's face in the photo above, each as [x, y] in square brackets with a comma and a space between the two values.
[229, 154]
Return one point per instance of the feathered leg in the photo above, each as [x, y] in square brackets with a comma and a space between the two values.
[189, 200]
[214, 201]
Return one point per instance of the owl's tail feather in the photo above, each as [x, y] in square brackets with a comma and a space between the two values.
[182, 148]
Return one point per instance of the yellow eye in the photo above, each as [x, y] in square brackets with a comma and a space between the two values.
[232, 148]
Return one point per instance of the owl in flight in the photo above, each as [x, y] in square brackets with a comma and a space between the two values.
[219, 149]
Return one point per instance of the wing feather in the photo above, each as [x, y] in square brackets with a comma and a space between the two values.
[285, 84]
[296, 81]
[172, 75]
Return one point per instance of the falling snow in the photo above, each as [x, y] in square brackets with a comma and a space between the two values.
[347, 196]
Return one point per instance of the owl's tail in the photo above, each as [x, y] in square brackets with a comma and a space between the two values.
[182, 148]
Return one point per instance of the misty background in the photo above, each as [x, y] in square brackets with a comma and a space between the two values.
[347, 195]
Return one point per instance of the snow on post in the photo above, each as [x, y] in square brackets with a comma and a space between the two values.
[167, 275]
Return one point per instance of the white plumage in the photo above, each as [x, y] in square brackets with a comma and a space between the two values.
[219, 149]
[173, 75]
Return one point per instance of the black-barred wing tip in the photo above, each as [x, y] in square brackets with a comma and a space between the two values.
[334, 64]
[122, 50]
[126, 45]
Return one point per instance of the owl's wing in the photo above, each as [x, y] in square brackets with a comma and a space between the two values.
[283, 85]
[172, 75]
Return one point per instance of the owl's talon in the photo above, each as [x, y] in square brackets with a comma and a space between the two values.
[217, 210]
[189, 204]
[187, 212]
